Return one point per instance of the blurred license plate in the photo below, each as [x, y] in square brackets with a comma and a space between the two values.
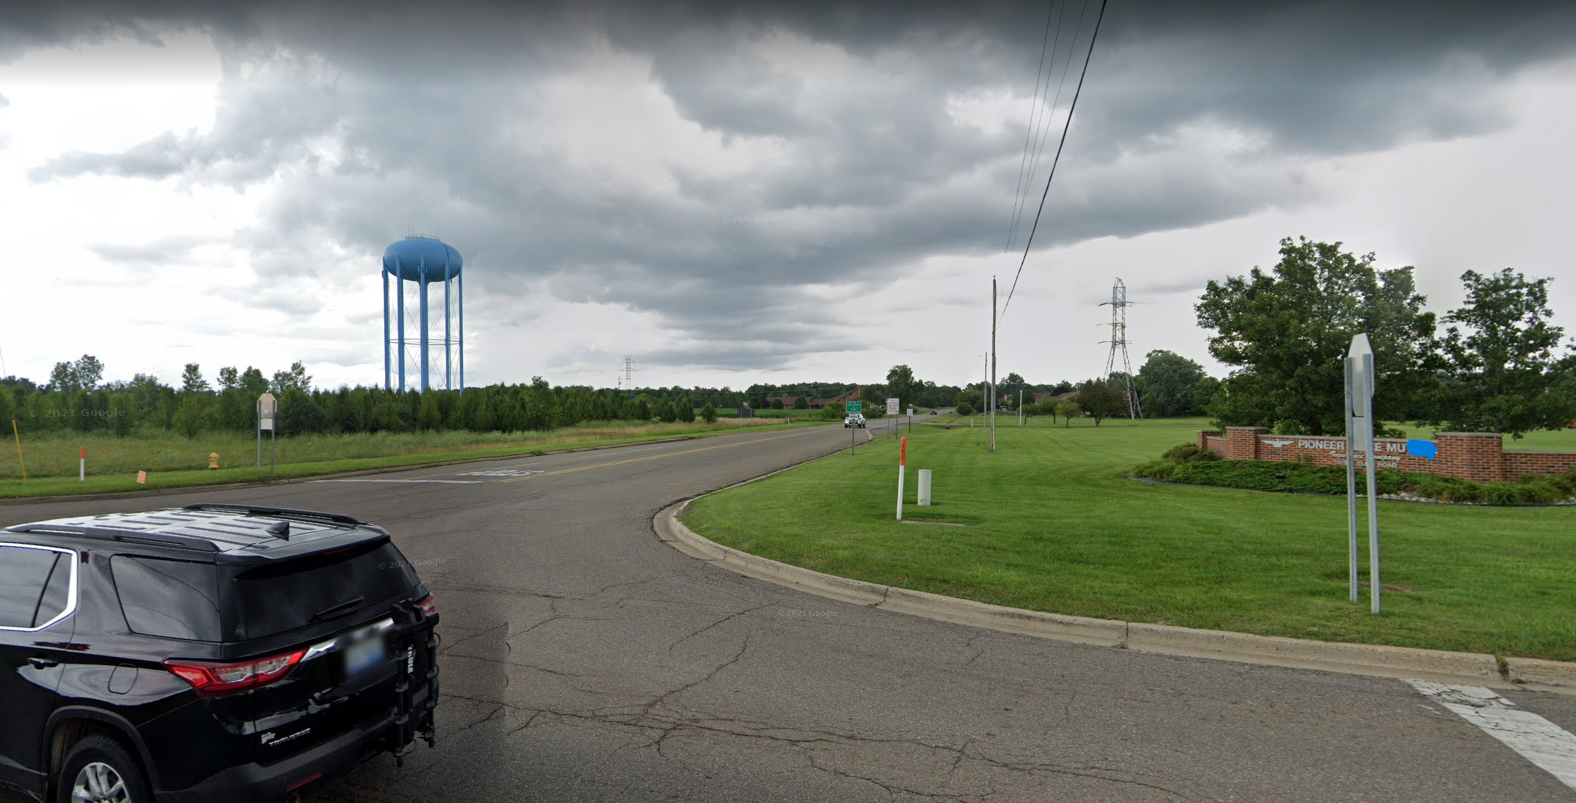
[363, 655]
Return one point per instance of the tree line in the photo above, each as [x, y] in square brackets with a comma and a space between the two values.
[1497, 366]
[77, 399]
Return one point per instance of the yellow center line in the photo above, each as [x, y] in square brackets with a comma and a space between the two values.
[654, 457]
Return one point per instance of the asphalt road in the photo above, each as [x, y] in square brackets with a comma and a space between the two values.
[584, 660]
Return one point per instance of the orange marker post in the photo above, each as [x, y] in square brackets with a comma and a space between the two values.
[902, 466]
[82, 465]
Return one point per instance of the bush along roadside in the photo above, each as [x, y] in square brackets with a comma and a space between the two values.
[1188, 464]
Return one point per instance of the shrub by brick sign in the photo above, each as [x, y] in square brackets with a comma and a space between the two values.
[1475, 456]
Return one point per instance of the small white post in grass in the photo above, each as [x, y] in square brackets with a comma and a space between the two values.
[924, 487]
[82, 465]
[902, 465]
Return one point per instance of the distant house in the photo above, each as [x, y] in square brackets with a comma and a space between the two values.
[1055, 397]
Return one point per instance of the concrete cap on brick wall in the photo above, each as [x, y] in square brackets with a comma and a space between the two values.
[1470, 434]
[1255, 429]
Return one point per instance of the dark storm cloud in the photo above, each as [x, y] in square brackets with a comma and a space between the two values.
[388, 113]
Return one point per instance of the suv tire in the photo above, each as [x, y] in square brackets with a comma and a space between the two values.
[104, 770]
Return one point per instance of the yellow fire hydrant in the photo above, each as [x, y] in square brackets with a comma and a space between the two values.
[213, 461]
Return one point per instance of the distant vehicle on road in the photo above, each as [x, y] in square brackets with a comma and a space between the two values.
[855, 421]
[208, 653]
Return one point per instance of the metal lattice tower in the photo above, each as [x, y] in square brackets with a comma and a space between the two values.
[1118, 341]
[629, 372]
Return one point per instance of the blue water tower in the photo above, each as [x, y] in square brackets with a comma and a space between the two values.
[424, 261]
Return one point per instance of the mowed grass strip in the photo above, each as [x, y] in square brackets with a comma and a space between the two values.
[1054, 524]
[174, 461]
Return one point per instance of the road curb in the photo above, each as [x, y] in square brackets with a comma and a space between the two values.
[1347, 658]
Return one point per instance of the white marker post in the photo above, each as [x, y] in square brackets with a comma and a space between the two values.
[902, 466]
[82, 465]
[267, 406]
[1360, 436]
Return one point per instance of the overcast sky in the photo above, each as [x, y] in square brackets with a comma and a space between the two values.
[732, 194]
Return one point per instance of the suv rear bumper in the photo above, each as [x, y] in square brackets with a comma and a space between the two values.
[310, 769]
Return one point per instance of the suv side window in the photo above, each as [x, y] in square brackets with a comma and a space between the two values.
[168, 598]
[35, 586]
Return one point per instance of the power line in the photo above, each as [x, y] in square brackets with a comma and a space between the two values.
[1020, 192]
[1065, 126]
[1039, 150]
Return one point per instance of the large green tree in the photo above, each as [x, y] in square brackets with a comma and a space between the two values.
[902, 385]
[1287, 330]
[1166, 383]
[1504, 372]
[1102, 398]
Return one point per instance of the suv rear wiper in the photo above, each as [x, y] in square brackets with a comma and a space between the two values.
[329, 612]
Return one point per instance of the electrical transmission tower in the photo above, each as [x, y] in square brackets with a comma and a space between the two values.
[629, 373]
[1118, 341]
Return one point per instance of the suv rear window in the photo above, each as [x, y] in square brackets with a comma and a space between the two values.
[168, 598]
[285, 596]
[34, 585]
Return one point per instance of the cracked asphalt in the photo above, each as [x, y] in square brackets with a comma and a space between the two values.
[584, 660]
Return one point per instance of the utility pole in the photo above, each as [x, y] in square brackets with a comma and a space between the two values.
[993, 363]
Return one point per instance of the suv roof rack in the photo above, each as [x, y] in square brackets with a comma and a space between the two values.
[160, 539]
[281, 512]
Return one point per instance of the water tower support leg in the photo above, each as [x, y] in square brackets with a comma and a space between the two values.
[448, 373]
[424, 329]
[400, 284]
[384, 340]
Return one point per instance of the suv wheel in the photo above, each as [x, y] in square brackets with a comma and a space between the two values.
[99, 770]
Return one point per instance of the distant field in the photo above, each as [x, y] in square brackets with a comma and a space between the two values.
[1054, 524]
[174, 461]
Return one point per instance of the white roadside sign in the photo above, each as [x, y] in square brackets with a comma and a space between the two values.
[266, 406]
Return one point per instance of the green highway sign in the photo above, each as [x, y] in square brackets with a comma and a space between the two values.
[856, 407]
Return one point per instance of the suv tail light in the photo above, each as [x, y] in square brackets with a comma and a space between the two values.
[210, 678]
[428, 606]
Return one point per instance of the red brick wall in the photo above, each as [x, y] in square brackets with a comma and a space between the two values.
[1518, 463]
[1472, 456]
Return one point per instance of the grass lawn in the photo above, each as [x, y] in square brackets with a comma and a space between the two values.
[1053, 524]
[174, 461]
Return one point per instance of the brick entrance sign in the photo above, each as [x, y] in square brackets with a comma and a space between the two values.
[1474, 456]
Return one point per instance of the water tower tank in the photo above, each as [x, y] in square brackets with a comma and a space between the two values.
[424, 261]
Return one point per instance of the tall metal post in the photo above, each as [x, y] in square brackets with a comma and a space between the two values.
[993, 363]
[421, 284]
[462, 332]
[1351, 482]
[1373, 496]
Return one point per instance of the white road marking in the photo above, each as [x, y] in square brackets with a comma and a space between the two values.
[440, 482]
[1535, 738]
[500, 472]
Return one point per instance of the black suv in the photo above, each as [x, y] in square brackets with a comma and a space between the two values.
[214, 652]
